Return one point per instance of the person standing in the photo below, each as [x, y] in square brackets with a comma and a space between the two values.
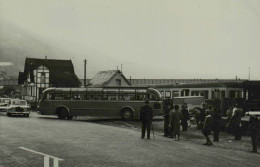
[176, 117]
[185, 117]
[207, 128]
[254, 128]
[196, 112]
[171, 123]
[216, 121]
[146, 116]
[235, 122]
[202, 115]
[229, 115]
[167, 110]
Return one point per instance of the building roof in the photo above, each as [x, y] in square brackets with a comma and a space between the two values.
[61, 71]
[104, 77]
[204, 85]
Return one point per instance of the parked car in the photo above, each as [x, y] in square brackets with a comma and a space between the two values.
[5, 103]
[192, 101]
[18, 107]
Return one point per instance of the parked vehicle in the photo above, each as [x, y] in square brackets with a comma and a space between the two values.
[192, 101]
[124, 102]
[18, 107]
[4, 103]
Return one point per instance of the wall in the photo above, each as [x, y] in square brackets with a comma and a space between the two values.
[118, 76]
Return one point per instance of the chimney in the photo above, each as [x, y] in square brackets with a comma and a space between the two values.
[45, 57]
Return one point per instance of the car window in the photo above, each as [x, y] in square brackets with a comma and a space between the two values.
[19, 102]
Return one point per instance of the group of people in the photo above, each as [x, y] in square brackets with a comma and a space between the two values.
[208, 119]
[174, 118]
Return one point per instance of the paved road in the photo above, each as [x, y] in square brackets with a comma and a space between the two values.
[82, 144]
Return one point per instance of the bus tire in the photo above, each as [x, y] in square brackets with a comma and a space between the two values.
[62, 113]
[127, 114]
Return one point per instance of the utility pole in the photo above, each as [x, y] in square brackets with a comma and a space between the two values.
[249, 73]
[85, 79]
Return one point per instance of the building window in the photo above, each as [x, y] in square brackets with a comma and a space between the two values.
[42, 77]
[118, 82]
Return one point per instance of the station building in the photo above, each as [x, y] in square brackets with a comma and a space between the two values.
[40, 74]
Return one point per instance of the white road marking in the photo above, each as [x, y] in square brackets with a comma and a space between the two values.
[46, 160]
[36, 152]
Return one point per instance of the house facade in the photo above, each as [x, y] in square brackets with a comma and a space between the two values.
[111, 78]
[40, 74]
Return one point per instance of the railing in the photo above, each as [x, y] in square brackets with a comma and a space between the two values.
[46, 159]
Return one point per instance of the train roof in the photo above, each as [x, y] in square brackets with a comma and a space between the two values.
[205, 85]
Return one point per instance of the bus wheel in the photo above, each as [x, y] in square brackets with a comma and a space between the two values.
[127, 114]
[62, 113]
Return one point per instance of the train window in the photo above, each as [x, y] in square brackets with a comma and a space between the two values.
[175, 93]
[168, 94]
[162, 93]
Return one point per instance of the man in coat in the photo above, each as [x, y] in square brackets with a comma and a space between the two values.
[176, 118]
[185, 117]
[254, 128]
[235, 122]
[207, 128]
[171, 123]
[167, 109]
[146, 116]
[216, 123]
[202, 115]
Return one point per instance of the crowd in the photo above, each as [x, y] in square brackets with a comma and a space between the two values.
[208, 120]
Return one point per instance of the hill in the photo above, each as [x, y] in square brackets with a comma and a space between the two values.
[16, 44]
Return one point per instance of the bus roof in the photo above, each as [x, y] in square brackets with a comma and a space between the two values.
[186, 97]
[105, 89]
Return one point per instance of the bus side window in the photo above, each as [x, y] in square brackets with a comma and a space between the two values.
[140, 97]
[122, 97]
[66, 97]
[128, 97]
[104, 96]
[152, 97]
[112, 97]
[58, 97]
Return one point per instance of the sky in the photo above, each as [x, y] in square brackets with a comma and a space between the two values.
[164, 39]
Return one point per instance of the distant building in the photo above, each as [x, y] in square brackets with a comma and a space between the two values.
[109, 79]
[40, 74]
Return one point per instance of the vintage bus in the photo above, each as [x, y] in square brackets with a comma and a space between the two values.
[110, 102]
